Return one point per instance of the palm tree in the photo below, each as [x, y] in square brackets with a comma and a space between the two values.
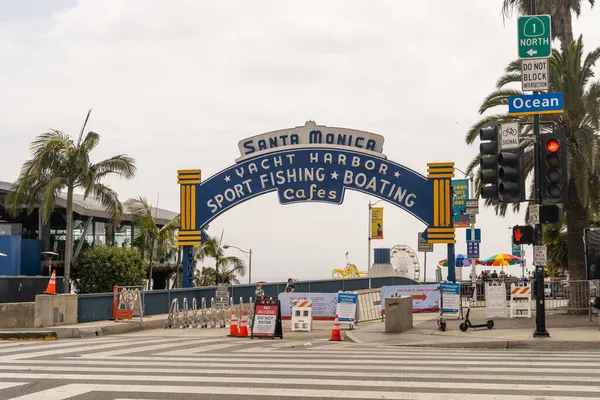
[560, 11]
[152, 242]
[226, 269]
[58, 164]
[570, 73]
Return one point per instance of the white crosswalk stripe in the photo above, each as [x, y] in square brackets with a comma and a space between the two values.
[118, 367]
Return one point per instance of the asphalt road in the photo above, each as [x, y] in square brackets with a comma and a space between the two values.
[205, 364]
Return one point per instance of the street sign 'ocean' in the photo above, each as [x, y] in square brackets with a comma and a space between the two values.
[534, 36]
[544, 103]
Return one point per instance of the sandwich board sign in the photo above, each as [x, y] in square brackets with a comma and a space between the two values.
[267, 320]
[346, 307]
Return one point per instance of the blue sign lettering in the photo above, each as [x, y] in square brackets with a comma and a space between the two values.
[315, 175]
[544, 103]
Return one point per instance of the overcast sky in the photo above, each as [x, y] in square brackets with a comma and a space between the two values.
[176, 84]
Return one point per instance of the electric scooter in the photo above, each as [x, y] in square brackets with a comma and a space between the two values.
[441, 321]
[467, 324]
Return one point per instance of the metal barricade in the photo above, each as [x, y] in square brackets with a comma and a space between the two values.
[466, 294]
[369, 305]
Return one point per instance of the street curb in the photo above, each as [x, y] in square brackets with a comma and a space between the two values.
[45, 335]
[534, 344]
[350, 337]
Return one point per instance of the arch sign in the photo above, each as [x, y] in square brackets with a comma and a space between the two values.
[315, 163]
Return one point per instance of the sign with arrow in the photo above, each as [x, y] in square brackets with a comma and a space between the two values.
[534, 36]
[424, 297]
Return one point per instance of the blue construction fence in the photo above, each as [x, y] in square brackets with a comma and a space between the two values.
[99, 306]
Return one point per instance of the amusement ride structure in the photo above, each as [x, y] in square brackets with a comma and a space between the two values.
[403, 260]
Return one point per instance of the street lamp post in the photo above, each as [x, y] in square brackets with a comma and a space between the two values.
[249, 253]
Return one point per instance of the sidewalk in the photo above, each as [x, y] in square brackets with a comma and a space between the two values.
[567, 332]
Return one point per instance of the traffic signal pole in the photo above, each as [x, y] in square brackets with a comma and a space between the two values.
[540, 311]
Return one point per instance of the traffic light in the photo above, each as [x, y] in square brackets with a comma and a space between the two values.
[511, 175]
[554, 168]
[488, 164]
[523, 234]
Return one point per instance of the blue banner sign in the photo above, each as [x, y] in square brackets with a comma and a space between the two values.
[543, 103]
[477, 234]
[315, 175]
[346, 306]
[460, 188]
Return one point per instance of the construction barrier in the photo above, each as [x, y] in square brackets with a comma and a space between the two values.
[127, 303]
[302, 316]
[369, 305]
[206, 317]
[520, 301]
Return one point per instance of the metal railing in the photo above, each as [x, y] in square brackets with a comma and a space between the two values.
[368, 305]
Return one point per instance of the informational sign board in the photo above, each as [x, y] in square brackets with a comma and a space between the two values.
[323, 308]
[472, 249]
[377, 223]
[495, 300]
[424, 297]
[534, 75]
[267, 319]
[346, 307]
[539, 256]
[528, 104]
[534, 33]
[534, 214]
[451, 293]
[221, 299]
[509, 136]
[477, 234]
[461, 194]
[424, 246]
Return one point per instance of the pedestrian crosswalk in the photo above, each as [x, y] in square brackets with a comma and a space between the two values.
[154, 367]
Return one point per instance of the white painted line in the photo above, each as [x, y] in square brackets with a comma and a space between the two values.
[200, 362]
[68, 391]
[8, 385]
[79, 349]
[36, 345]
[441, 375]
[346, 361]
[154, 346]
[305, 382]
[201, 349]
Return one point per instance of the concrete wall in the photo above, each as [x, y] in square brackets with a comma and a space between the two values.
[398, 314]
[17, 315]
[55, 310]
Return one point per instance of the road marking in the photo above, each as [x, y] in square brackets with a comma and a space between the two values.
[162, 346]
[317, 366]
[329, 360]
[195, 350]
[8, 385]
[36, 345]
[56, 350]
[72, 390]
[306, 382]
[480, 375]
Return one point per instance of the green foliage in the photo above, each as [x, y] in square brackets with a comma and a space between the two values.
[226, 269]
[98, 269]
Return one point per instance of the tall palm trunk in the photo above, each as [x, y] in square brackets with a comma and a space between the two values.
[68, 242]
[577, 221]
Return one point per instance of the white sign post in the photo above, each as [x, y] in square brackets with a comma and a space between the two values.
[539, 256]
[534, 74]
[509, 136]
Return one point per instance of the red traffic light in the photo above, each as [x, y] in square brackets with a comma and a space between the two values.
[552, 145]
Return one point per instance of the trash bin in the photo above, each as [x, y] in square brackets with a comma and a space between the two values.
[398, 314]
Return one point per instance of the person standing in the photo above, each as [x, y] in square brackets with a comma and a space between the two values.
[259, 293]
[290, 288]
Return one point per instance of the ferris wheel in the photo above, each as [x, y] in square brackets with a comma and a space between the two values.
[405, 261]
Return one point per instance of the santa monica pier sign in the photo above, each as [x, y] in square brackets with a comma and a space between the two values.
[315, 163]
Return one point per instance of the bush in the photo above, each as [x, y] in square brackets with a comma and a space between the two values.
[98, 269]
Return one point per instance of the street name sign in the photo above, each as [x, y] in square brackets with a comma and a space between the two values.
[534, 74]
[424, 247]
[509, 136]
[539, 256]
[543, 103]
[534, 36]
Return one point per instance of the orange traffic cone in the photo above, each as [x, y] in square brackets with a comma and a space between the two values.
[233, 327]
[244, 326]
[335, 333]
[51, 289]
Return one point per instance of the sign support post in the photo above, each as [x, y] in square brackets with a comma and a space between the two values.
[540, 312]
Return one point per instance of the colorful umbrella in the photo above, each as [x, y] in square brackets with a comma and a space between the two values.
[460, 261]
[500, 260]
